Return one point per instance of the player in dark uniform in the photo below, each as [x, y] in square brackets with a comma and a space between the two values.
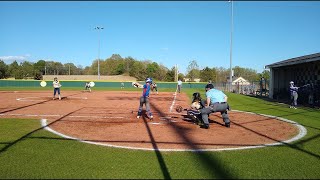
[87, 86]
[196, 105]
[154, 87]
[144, 99]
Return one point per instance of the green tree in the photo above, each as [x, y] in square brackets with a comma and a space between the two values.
[247, 73]
[222, 74]
[170, 74]
[15, 70]
[120, 69]
[181, 76]
[138, 70]
[128, 62]
[161, 73]
[208, 74]
[193, 70]
[27, 70]
[70, 67]
[3, 70]
[152, 70]
[265, 74]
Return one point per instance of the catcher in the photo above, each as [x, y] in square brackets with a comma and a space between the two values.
[194, 112]
[197, 104]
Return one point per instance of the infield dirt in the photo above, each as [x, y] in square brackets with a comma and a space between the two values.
[110, 118]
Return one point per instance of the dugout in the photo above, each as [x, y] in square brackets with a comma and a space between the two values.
[304, 71]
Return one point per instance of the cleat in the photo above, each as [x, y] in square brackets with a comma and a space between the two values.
[138, 117]
[228, 125]
[204, 126]
[151, 118]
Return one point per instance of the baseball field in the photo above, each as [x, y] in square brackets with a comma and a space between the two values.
[97, 135]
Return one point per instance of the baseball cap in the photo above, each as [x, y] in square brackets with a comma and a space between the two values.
[209, 86]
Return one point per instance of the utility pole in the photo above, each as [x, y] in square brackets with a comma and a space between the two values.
[99, 29]
[231, 45]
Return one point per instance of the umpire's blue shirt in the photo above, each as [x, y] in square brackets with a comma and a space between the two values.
[215, 96]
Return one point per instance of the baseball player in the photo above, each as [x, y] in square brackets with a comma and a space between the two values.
[56, 85]
[179, 85]
[216, 102]
[197, 104]
[154, 87]
[293, 95]
[87, 86]
[144, 99]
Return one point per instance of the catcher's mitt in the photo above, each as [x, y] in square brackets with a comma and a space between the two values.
[179, 109]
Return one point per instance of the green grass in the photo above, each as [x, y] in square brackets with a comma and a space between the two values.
[29, 152]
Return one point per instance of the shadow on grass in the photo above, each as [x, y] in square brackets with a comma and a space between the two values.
[294, 146]
[210, 163]
[10, 144]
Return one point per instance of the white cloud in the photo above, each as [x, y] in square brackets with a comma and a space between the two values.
[165, 49]
[10, 59]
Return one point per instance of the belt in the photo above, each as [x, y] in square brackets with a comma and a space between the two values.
[219, 103]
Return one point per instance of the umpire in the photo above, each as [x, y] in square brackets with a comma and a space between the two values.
[216, 102]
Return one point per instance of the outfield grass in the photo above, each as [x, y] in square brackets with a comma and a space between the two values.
[27, 151]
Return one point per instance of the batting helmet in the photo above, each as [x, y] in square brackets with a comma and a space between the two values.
[291, 82]
[148, 80]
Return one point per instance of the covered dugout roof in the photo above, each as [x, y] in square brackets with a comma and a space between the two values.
[296, 60]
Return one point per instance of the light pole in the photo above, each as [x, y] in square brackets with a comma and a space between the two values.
[98, 28]
[231, 45]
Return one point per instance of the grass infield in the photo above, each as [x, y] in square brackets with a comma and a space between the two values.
[29, 152]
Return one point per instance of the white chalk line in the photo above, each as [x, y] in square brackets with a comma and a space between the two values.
[39, 98]
[174, 100]
[82, 116]
[301, 134]
[58, 115]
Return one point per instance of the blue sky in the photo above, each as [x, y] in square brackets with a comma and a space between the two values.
[168, 33]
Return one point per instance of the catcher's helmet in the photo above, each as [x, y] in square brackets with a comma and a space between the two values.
[196, 96]
[148, 80]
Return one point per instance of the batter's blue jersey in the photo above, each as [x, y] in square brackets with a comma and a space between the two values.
[146, 90]
[215, 96]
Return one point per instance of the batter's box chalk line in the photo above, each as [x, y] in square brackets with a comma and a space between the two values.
[46, 97]
[301, 134]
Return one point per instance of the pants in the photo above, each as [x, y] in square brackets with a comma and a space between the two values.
[144, 100]
[216, 107]
[294, 98]
[55, 91]
[179, 88]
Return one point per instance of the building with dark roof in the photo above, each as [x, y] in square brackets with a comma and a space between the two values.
[304, 71]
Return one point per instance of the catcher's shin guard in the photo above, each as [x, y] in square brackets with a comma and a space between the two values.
[195, 116]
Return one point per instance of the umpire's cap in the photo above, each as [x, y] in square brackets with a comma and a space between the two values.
[209, 86]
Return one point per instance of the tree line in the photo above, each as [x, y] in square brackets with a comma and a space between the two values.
[116, 65]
